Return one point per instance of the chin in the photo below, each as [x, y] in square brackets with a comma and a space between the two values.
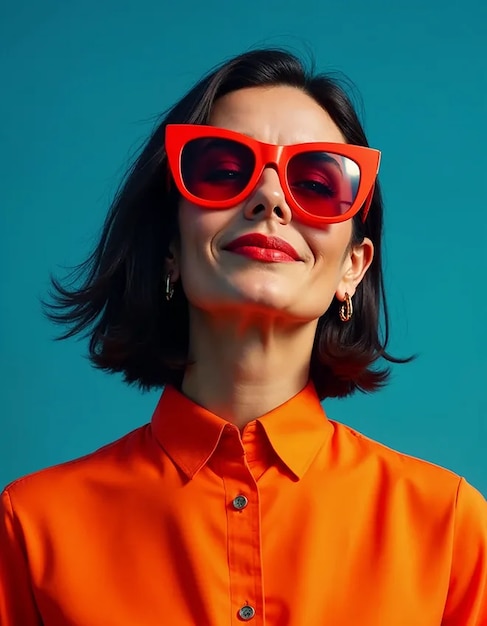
[242, 295]
[268, 294]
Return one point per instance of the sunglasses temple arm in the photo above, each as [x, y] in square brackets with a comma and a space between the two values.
[367, 204]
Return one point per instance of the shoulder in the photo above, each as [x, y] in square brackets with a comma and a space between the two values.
[415, 478]
[425, 497]
[68, 480]
[434, 514]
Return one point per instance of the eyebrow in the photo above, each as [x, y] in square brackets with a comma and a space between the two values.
[324, 157]
[312, 155]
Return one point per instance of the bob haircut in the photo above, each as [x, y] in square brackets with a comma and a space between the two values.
[116, 297]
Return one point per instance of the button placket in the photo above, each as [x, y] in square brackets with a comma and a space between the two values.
[243, 538]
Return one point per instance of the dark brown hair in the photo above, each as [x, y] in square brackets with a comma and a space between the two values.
[116, 296]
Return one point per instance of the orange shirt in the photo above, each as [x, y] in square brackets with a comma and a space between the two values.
[295, 521]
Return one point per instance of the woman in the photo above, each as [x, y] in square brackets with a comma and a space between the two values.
[240, 266]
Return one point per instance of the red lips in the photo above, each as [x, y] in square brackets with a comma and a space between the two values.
[263, 248]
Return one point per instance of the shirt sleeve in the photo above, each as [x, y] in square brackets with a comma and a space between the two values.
[467, 597]
[17, 604]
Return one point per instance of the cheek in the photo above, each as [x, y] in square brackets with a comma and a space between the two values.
[195, 227]
[199, 233]
[329, 246]
[189, 217]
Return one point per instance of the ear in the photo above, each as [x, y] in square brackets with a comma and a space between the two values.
[356, 263]
[171, 263]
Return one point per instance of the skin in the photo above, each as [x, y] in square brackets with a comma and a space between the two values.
[252, 324]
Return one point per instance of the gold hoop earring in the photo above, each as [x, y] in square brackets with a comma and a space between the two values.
[346, 309]
[169, 287]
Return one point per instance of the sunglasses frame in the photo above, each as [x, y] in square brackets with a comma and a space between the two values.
[270, 155]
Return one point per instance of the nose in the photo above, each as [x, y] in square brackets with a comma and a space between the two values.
[268, 199]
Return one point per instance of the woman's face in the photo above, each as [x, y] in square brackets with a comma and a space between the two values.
[218, 280]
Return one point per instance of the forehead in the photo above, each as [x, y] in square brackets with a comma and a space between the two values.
[279, 115]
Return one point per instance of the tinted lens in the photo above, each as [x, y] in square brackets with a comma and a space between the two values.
[323, 183]
[216, 169]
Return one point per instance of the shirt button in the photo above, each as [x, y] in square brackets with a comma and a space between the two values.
[240, 502]
[246, 612]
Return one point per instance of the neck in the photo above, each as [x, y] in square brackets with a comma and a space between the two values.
[243, 370]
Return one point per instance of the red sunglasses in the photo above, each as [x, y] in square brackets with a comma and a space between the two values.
[323, 183]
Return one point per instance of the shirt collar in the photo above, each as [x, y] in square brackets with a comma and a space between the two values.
[190, 434]
[298, 429]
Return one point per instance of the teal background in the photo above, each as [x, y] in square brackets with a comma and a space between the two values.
[81, 83]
